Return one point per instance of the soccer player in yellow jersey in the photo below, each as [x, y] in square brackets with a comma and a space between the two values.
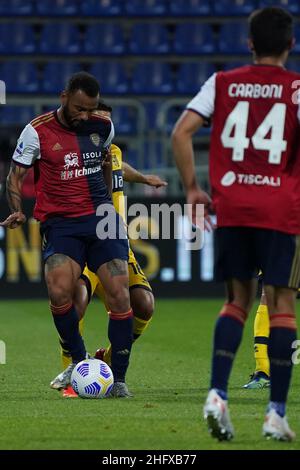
[141, 296]
[261, 376]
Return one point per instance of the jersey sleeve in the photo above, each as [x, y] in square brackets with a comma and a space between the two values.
[28, 147]
[110, 135]
[298, 103]
[204, 102]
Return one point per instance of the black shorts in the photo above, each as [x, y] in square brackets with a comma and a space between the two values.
[242, 251]
[77, 238]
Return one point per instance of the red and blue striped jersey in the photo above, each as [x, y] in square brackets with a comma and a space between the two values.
[67, 163]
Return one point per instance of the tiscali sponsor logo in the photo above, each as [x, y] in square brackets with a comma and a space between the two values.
[228, 179]
[258, 180]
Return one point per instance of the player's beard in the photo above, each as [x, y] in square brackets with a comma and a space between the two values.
[71, 122]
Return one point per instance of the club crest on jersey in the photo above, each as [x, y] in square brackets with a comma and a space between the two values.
[115, 161]
[71, 160]
[95, 138]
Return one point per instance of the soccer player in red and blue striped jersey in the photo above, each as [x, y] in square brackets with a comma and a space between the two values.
[66, 148]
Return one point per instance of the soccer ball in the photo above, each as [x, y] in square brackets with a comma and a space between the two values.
[92, 378]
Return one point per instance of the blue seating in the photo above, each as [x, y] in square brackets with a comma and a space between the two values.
[60, 38]
[152, 78]
[104, 39]
[57, 7]
[130, 155]
[17, 7]
[293, 6]
[16, 115]
[193, 38]
[151, 108]
[152, 156]
[112, 77]
[146, 7]
[5, 38]
[293, 65]
[235, 7]
[173, 115]
[233, 38]
[16, 38]
[20, 77]
[124, 120]
[101, 7]
[56, 74]
[191, 76]
[234, 64]
[149, 38]
[296, 48]
[190, 7]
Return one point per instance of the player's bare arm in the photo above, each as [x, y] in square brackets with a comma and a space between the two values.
[13, 190]
[131, 175]
[187, 125]
[182, 145]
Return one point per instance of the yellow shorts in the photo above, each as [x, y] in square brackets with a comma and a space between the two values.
[137, 278]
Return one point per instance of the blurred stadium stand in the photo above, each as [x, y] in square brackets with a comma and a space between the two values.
[150, 57]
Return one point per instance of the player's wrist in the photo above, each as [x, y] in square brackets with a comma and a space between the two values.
[192, 186]
[143, 178]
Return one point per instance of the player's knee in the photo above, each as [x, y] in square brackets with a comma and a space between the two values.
[59, 293]
[59, 297]
[118, 299]
[142, 303]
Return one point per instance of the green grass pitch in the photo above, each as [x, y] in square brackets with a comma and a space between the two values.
[169, 375]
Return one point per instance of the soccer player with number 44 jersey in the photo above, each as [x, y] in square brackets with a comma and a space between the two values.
[255, 178]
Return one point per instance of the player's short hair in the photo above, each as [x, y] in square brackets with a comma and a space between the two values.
[104, 107]
[83, 81]
[271, 31]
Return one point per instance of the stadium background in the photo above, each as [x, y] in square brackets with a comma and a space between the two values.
[151, 57]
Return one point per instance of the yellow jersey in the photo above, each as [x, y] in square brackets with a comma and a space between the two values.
[117, 181]
[136, 276]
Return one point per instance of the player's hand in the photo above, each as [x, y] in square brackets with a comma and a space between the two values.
[106, 162]
[156, 181]
[14, 220]
[196, 197]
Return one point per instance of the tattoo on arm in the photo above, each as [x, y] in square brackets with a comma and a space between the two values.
[14, 185]
[117, 267]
